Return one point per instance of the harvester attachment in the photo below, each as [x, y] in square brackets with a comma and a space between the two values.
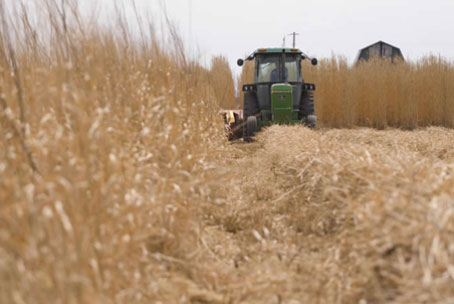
[233, 123]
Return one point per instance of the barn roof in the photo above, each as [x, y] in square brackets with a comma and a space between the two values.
[380, 41]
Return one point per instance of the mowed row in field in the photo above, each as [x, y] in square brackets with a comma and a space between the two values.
[335, 216]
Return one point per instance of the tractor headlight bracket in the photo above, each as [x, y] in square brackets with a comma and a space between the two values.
[249, 88]
[309, 86]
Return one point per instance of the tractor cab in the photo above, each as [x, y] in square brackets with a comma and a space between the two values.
[278, 94]
[276, 68]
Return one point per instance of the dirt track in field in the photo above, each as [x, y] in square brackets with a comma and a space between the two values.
[333, 216]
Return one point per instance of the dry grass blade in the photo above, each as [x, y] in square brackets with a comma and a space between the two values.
[16, 133]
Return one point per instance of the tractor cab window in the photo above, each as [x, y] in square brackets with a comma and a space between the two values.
[268, 69]
[292, 69]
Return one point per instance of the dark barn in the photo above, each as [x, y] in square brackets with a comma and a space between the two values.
[379, 49]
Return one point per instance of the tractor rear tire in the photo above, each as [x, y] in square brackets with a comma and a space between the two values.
[307, 103]
[307, 108]
[250, 109]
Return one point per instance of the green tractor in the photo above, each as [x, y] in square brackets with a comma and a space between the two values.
[279, 94]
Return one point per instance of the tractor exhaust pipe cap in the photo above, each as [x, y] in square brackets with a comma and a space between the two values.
[314, 61]
[240, 62]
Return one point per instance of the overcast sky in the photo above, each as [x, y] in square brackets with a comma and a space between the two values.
[236, 27]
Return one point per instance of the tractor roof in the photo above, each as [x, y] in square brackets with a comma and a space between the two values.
[266, 51]
[277, 50]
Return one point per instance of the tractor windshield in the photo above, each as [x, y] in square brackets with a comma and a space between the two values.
[268, 69]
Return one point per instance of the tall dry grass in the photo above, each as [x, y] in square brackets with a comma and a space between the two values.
[381, 94]
[105, 141]
[222, 82]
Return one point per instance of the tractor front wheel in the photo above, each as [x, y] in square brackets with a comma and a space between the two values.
[251, 128]
[250, 110]
[311, 121]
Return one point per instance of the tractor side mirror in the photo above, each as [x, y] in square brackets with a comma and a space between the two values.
[240, 62]
[314, 61]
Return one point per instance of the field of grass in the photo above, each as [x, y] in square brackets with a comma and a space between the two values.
[117, 184]
[380, 94]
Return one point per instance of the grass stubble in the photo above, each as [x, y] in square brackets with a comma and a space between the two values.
[117, 185]
[339, 216]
